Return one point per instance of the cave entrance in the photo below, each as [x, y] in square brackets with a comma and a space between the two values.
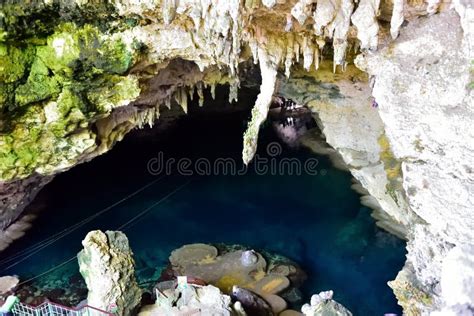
[310, 216]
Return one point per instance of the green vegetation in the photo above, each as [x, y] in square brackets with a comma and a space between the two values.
[52, 87]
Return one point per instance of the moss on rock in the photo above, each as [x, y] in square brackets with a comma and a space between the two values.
[39, 86]
[52, 90]
[13, 62]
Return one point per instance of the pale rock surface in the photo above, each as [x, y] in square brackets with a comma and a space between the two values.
[107, 266]
[193, 300]
[322, 304]
[427, 109]
[342, 108]
[7, 284]
[457, 278]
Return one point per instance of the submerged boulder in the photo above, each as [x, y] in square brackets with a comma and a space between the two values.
[108, 268]
[252, 303]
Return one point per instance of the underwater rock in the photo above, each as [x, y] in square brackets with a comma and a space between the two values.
[227, 269]
[277, 303]
[252, 303]
[322, 304]
[249, 258]
[107, 266]
[223, 271]
[270, 284]
[194, 253]
[292, 295]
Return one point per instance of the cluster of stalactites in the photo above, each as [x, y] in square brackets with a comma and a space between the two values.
[181, 96]
[332, 19]
[288, 49]
[216, 22]
[222, 23]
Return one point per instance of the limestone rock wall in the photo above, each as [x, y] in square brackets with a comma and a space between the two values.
[342, 108]
[107, 266]
[421, 83]
[76, 76]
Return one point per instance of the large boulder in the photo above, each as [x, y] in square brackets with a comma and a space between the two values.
[108, 268]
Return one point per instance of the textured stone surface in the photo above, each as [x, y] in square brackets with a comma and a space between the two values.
[322, 304]
[7, 284]
[193, 300]
[76, 76]
[107, 266]
[342, 108]
[426, 106]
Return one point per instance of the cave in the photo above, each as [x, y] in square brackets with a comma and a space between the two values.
[309, 214]
[257, 157]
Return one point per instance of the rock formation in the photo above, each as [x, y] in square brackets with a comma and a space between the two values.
[192, 300]
[322, 304]
[107, 266]
[7, 285]
[76, 76]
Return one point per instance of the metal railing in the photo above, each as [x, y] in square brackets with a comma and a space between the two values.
[53, 309]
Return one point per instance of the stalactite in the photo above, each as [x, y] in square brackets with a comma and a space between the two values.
[200, 94]
[324, 14]
[289, 53]
[302, 10]
[308, 54]
[269, 3]
[316, 58]
[191, 92]
[169, 10]
[213, 91]
[254, 49]
[364, 18]
[433, 6]
[184, 99]
[268, 69]
[168, 102]
[397, 18]
[234, 90]
[296, 51]
[341, 29]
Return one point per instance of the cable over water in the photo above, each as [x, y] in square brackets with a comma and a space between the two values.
[35, 248]
[124, 226]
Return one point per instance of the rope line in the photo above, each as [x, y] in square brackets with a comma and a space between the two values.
[142, 213]
[48, 271]
[52, 239]
[133, 220]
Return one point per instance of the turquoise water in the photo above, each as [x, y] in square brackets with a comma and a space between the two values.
[316, 220]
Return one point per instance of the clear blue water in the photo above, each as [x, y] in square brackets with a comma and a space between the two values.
[316, 221]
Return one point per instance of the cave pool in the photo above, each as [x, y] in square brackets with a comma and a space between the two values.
[316, 220]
